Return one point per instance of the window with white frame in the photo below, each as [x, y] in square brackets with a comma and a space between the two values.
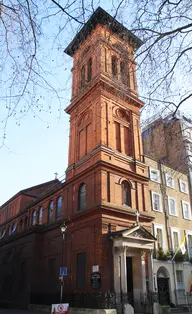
[169, 180]
[179, 276]
[156, 202]
[189, 243]
[183, 186]
[186, 210]
[175, 237]
[172, 206]
[154, 175]
[159, 234]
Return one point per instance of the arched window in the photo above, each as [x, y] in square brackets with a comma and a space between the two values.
[83, 76]
[89, 70]
[82, 196]
[40, 216]
[50, 213]
[59, 207]
[126, 193]
[34, 218]
[114, 65]
[14, 227]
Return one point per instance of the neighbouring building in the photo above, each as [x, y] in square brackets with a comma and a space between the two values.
[170, 202]
[169, 139]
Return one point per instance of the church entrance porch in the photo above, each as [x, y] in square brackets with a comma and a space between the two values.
[133, 266]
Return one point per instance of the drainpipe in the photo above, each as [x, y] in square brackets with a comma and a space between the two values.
[167, 226]
[165, 209]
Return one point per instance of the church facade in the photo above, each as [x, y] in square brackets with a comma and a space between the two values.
[104, 201]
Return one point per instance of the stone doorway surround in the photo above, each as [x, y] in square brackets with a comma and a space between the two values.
[138, 243]
[163, 286]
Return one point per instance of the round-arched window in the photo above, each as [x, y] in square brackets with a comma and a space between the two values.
[50, 212]
[14, 227]
[59, 207]
[162, 272]
[40, 216]
[34, 218]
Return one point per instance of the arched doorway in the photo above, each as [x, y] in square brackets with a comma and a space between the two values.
[163, 286]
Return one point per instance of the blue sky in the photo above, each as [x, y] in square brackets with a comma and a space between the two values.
[37, 147]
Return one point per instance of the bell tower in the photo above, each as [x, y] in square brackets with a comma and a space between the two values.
[105, 114]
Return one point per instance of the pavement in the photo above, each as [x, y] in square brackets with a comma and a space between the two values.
[12, 311]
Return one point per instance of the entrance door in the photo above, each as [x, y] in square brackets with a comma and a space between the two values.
[163, 291]
[130, 280]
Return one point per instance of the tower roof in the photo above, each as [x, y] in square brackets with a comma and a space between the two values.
[101, 17]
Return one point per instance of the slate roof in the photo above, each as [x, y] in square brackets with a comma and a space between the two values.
[101, 17]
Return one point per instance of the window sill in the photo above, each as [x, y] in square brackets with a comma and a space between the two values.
[156, 181]
[176, 215]
[171, 187]
[186, 193]
[158, 211]
[187, 218]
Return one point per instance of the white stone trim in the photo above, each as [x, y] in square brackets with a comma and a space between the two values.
[188, 232]
[189, 208]
[160, 201]
[187, 188]
[158, 175]
[176, 208]
[162, 227]
[173, 229]
[167, 176]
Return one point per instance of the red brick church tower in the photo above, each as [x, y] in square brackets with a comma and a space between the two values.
[104, 201]
[106, 169]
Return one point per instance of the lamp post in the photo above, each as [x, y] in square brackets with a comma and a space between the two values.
[63, 228]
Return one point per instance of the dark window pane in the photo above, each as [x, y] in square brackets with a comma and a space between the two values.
[127, 141]
[89, 70]
[81, 271]
[59, 207]
[114, 65]
[83, 76]
[126, 193]
[118, 136]
[82, 196]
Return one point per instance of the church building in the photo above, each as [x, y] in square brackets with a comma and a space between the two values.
[104, 201]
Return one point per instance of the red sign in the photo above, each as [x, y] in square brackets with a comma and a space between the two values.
[60, 308]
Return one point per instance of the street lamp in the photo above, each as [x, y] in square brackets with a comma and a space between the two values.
[63, 228]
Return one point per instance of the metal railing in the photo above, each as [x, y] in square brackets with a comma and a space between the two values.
[99, 300]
